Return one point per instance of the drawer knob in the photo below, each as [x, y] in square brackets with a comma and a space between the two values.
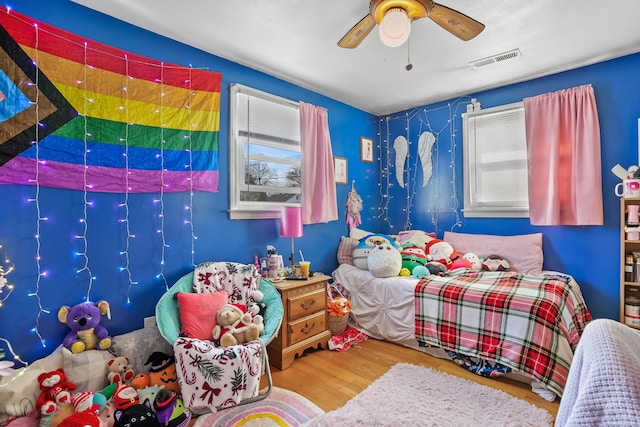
[306, 329]
[307, 307]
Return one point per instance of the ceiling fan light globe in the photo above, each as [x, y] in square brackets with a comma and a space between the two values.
[395, 27]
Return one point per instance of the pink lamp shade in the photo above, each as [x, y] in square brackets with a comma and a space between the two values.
[291, 222]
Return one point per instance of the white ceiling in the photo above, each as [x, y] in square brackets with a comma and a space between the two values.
[295, 40]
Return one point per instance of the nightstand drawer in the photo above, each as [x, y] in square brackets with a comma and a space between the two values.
[306, 304]
[306, 327]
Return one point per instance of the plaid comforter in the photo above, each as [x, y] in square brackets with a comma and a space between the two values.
[531, 323]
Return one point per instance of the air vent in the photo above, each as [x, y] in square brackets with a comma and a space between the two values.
[500, 57]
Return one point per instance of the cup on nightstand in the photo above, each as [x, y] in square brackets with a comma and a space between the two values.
[304, 268]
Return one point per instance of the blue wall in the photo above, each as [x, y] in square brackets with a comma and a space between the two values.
[591, 254]
[218, 237]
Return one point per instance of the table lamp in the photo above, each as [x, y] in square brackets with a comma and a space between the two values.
[291, 226]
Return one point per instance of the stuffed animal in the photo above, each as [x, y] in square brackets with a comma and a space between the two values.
[55, 389]
[385, 261]
[89, 401]
[412, 256]
[474, 260]
[149, 393]
[138, 415]
[170, 409]
[161, 373]
[86, 418]
[86, 331]
[235, 326]
[120, 370]
[420, 271]
[442, 252]
[363, 249]
[495, 263]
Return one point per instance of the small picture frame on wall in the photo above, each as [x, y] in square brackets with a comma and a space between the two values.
[340, 169]
[366, 149]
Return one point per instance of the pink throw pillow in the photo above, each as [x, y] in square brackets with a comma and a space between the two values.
[198, 312]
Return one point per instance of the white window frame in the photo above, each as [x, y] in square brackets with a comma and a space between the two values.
[504, 124]
[239, 209]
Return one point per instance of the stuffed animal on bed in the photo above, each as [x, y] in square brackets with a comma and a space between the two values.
[363, 249]
[86, 331]
[442, 252]
[412, 257]
[495, 263]
[384, 260]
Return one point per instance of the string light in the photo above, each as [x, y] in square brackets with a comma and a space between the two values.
[85, 187]
[190, 207]
[421, 120]
[5, 269]
[163, 242]
[83, 86]
[36, 198]
[127, 225]
[6, 288]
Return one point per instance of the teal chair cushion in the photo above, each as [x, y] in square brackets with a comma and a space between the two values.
[168, 313]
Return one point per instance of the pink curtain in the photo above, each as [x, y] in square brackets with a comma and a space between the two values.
[319, 202]
[563, 141]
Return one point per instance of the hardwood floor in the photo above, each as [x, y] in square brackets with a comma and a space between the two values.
[330, 378]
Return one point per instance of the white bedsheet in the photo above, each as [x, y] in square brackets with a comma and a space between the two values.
[382, 307]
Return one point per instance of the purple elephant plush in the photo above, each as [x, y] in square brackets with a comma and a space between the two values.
[86, 331]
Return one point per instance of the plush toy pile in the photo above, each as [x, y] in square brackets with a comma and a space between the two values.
[417, 254]
[148, 399]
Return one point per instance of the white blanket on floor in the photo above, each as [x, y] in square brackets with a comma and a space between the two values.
[603, 387]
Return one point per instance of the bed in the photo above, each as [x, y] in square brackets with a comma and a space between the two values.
[528, 320]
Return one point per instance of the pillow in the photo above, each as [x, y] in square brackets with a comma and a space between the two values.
[524, 252]
[138, 346]
[418, 238]
[198, 312]
[359, 234]
[87, 370]
[19, 391]
[345, 249]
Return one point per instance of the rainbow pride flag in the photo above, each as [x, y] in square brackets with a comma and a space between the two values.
[81, 115]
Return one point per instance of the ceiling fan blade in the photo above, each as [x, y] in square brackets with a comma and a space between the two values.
[458, 24]
[357, 33]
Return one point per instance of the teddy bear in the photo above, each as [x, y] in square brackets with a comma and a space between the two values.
[55, 389]
[235, 326]
[86, 331]
[120, 370]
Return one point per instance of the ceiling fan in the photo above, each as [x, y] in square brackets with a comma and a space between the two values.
[394, 18]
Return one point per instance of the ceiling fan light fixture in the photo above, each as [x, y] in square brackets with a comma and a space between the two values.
[395, 27]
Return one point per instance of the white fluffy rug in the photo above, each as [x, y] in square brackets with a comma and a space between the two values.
[410, 395]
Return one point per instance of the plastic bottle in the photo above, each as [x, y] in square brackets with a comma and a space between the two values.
[263, 269]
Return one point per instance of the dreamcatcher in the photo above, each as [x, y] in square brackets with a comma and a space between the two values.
[354, 206]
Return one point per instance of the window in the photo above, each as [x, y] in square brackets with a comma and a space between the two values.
[265, 159]
[495, 162]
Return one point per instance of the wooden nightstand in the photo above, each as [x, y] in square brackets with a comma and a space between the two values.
[304, 324]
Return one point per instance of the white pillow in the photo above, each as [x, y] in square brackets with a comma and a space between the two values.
[87, 370]
[18, 392]
[523, 252]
